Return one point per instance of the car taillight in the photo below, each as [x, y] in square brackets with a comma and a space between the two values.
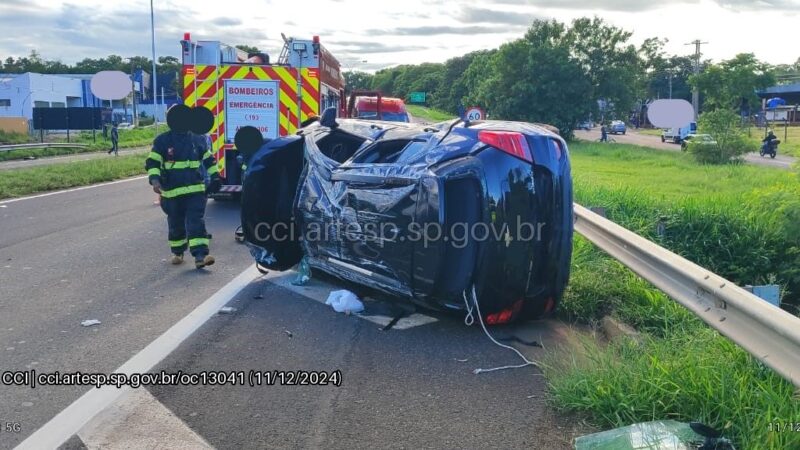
[505, 315]
[508, 141]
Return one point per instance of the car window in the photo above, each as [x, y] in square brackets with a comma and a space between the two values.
[383, 152]
[391, 151]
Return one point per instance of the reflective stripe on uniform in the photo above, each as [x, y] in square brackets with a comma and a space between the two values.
[178, 243]
[198, 241]
[155, 156]
[207, 154]
[154, 171]
[176, 165]
[213, 169]
[191, 189]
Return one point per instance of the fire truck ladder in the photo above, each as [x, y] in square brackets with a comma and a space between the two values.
[283, 59]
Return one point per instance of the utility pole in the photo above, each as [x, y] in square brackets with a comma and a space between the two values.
[695, 93]
[670, 84]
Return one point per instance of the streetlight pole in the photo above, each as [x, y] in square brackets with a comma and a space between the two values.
[155, 82]
[135, 121]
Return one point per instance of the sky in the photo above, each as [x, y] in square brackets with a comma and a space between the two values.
[372, 34]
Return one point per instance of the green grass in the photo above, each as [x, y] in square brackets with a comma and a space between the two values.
[13, 138]
[692, 376]
[650, 131]
[667, 175]
[429, 114]
[138, 137]
[739, 221]
[21, 182]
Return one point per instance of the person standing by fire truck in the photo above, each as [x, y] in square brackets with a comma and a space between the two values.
[173, 168]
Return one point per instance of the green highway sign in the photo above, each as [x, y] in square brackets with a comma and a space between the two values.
[416, 97]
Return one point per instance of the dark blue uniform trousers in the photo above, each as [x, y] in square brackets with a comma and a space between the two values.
[187, 227]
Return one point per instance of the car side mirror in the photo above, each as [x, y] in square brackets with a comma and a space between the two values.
[328, 118]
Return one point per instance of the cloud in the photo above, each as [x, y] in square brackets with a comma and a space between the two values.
[640, 5]
[434, 30]
[226, 21]
[471, 14]
[62, 33]
[370, 47]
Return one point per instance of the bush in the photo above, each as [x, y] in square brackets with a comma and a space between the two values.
[745, 246]
[730, 140]
[13, 138]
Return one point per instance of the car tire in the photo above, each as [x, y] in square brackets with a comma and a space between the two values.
[623, 133]
[663, 139]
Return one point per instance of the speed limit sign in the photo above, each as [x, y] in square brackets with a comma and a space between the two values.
[474, 113]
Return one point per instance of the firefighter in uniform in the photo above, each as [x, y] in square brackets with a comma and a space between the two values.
[174, 172]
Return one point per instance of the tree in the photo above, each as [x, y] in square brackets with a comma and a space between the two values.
[357, 80]
[732, 84]
[611, 63]
[248, 48]
[537, 79]
[452, 85]
[729, 143]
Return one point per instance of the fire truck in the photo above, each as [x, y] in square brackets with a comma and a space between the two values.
[243, 89]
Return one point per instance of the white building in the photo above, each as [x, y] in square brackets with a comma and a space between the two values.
[20, 93]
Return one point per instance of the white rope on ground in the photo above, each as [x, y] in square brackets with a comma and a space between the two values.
[469, 319]
[480, 319]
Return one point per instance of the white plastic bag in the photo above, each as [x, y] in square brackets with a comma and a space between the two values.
[344, 301]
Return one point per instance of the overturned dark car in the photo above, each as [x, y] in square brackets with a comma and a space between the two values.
[444, 215]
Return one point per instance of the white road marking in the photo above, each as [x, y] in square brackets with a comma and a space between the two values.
[139, 420]
[318, 291]
[81, 411]
[48, 194]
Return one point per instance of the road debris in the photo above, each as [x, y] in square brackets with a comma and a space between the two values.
[344, 301]
[90, 322]
[288, 333]
[227, 310]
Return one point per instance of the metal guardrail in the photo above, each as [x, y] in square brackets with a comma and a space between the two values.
[5, 148]
[769, 333]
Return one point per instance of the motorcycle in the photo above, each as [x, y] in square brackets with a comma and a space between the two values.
[770, 148]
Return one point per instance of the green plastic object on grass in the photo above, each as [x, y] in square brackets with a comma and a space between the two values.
[658, 435]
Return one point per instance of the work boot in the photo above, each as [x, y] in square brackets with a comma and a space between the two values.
[202, 261]
[177, 259]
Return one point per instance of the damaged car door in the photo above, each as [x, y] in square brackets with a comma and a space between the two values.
[378, 213]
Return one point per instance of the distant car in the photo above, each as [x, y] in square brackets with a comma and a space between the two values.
[392, 109]
[351, 197]
[124, 126]
[676, 135]
[586, 125]
[617, 127]
[704, 139]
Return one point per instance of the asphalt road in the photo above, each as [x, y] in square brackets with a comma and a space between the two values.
[100, 253]
[646, 140]
[92, 254]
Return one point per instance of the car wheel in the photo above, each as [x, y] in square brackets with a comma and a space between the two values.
[772, 155]
[623, 133]
[662, 139]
